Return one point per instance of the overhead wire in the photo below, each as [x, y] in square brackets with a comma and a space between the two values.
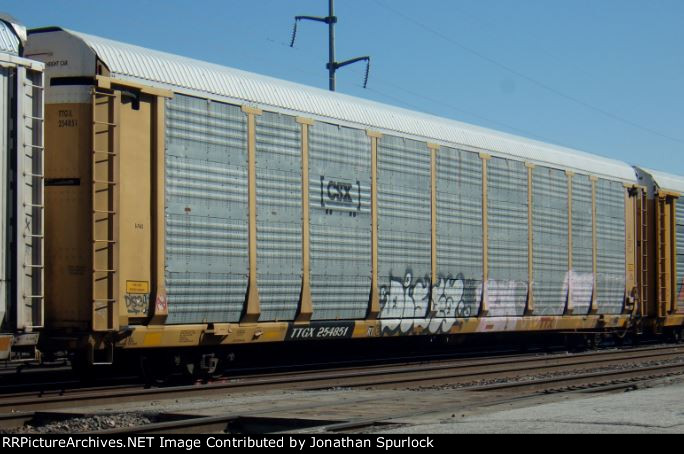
[526, 77]
[404, 103]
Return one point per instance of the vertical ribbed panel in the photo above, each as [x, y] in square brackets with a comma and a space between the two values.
[206, 211]
[279, 215]
[459, 233]
[4, 190]
[508, 237]
[339, 195]
[582, 274]
[404, 228]
[9, 42]
[610, 231]
[680, 252]
[550, 232]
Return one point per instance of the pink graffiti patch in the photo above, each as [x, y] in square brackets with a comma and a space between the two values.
[161, 305]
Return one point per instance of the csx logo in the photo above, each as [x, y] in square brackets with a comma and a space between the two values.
[340, 192]
[342, 197]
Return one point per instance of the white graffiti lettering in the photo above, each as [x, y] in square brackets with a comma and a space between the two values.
[506, 298]
[448, 298]
[409, 306]
[404, 298]
[580, 287]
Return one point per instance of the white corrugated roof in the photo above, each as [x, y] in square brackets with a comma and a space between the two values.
[9, 42]
[137, 63]
[666, 181]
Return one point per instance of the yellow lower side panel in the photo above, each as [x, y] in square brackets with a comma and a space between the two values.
[673, 320]
[227, 334]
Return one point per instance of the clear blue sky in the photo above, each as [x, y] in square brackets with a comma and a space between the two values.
[604, 76]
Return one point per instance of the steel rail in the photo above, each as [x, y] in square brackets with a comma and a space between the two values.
[346, 377]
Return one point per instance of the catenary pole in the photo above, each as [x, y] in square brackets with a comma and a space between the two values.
[332, 65]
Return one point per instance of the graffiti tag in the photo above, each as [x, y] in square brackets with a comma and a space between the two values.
[137, 303]
[405, 305]
[405, 298]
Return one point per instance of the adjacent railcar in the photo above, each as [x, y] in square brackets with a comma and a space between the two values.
[194, 205]
[21, 196]
[663, 260]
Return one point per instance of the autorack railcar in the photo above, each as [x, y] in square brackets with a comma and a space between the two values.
[21, 196]
[663, 261]
[193, 206]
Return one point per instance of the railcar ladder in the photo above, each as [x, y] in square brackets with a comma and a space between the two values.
[663, 255]
[643, 253]
[33, 206]
[104, 191]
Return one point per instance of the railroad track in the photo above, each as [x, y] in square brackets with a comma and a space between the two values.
[463, 374]
[44, 381]
[265, 422]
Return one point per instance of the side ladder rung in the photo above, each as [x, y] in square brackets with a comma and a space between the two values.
[110, 153]
[104, 212]
[39, 87]
[104, 123]
[104, 301]
[105, 241]
[109, 183]
[104, 271]
[34, 118]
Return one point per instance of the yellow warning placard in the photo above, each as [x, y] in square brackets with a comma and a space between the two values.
[137, 287]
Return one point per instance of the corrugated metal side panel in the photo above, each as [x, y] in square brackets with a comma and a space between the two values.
[4, 193]
[680, 251]
[610, 231]
[459, 233]
[404, 228]
[339, 203]
[9, 42]
[279, 215]
[582, 275]
[508, 237]
[550, 232]
[206, 211]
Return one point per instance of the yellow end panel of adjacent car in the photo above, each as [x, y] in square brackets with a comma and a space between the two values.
[68, 279]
